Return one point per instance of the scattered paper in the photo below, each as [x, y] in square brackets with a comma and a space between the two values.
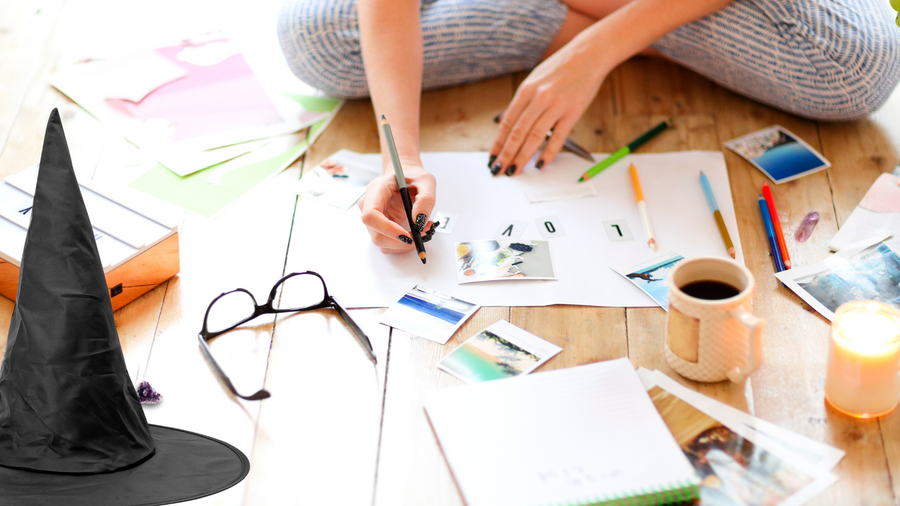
[879, 209]
[574, 191]
[499, 351]
[503, 260]
[779, 153]
[428, 314]
[185, 162]
[652, 276]
[338, 181]
[738, 464]
[675, 199]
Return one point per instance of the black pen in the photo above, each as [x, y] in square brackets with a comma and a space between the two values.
[404, 192]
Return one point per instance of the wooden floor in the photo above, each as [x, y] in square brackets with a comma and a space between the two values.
[338, 432]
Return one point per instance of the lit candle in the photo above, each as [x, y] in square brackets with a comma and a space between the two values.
[863, 359]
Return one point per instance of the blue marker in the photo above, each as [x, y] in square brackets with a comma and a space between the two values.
[770, 233]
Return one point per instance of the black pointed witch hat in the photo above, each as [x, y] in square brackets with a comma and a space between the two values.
[72, 430]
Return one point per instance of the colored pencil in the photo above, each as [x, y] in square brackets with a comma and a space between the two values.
[767, 194]
[714, 207]
[770, 233]
[404, 192]
[642, 207]
[629, 148]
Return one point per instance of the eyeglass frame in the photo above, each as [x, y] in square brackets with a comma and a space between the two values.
[268, 308]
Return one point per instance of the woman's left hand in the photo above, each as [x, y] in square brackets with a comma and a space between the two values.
[554, 95]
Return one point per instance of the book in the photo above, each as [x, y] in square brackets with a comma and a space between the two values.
[583, 435]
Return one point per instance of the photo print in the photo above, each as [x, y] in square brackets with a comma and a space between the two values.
[872, 274]
[736, 465]
[339, 181]
[499, 351]
[780, 154]
[494, 260]
[652, 276]
[428, 314]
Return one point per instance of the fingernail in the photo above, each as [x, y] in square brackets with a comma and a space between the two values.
[433, 227]
[511, 170]
[491, 160]
[405, 240]
[426, 238]
[497, 118]
[539, 165]
[420, 221]
[496, 168]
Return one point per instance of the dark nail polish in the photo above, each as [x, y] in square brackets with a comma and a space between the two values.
[496, 168]
[433, 227]
[405, 240]
[511, 170]
[491, 160]
[497, 118]
[539, 165]
[420, 221]
[426, 238]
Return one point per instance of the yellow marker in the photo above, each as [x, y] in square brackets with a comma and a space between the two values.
[642, 207]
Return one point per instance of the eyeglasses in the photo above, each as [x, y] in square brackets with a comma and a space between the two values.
[301, 291]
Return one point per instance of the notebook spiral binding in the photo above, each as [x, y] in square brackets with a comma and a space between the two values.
[675, 493]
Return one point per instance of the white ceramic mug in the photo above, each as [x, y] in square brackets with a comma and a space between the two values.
[713, 339]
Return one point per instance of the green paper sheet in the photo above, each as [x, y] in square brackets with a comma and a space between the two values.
[194, 193]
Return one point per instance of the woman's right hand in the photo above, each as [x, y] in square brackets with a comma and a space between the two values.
[383, 212]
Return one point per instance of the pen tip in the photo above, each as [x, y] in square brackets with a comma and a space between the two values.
[382, 117]
[731, 252]
[422, 256]
[652, 244]
[581, 179]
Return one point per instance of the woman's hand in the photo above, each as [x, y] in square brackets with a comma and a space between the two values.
[383, 212]
[555, 95]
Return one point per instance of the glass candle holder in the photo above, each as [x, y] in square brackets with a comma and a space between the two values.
[863, 359]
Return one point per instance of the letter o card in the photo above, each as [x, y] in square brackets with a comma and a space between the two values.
[550, 227]
[511, 229]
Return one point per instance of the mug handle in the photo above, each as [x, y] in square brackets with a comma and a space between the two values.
[754, 356]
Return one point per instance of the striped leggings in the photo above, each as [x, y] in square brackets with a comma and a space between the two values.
[822, 59]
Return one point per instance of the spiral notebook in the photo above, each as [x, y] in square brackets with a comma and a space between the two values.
[582, 435]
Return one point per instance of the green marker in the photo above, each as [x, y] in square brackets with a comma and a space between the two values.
[618, 155]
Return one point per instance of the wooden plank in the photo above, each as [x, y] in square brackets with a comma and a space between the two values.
[586, 334]
[244, 247]
[411, 468]
[25, 27]
[787, 389]
[319, 431]
[655, 86]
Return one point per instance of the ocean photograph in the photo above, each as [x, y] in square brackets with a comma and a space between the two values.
[487, 356]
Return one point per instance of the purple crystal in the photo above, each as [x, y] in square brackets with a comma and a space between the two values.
[806, 229]
[147, 394]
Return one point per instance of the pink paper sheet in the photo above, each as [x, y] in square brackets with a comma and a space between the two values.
[211, 99]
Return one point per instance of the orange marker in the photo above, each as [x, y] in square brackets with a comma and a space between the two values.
[642, 207]
[767, 194]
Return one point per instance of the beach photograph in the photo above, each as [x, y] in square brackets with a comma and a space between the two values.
[652, 276]
[492, 260]
[780, 154]
[428, 314]
[500, 351]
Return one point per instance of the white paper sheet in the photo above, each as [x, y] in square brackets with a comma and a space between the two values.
[879, 209]
[356, 271]
[502, 439]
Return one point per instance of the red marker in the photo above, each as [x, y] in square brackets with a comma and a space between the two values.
[767, 194]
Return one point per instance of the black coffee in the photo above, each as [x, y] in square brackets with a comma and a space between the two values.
[710, 290]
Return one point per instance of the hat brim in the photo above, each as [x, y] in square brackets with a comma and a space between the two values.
[185, 466]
